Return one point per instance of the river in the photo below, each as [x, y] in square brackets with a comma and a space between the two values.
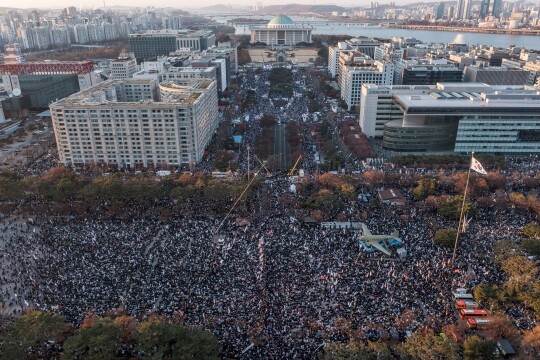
[333, 28]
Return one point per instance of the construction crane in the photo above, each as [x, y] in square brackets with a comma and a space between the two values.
[293, 169]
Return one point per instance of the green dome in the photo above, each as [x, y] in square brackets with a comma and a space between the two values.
[281, 20]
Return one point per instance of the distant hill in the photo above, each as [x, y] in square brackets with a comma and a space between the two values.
[291, 9]
[217, 7]
[287, 9]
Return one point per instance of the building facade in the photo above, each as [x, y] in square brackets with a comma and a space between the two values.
[363, 45]
[463, 10]
[426, 72]
[352, 77]
[468, 117]
[136, 123]
[40, 83]
[281, 32]
[152, 44]
[123, 68]
[496, 75]
[377, 106]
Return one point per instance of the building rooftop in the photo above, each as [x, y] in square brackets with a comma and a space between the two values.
[176, 92]
[189, 69]
[47, 67]
[170, 32]
[399, 87]
[281, 20]
[453, 101]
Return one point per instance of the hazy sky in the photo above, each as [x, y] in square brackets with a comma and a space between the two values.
[175, 3]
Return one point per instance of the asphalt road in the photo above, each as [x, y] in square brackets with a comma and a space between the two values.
[280, 146]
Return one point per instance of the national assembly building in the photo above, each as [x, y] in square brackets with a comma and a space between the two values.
[281, 33]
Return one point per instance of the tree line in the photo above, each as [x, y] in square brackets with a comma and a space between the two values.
[46, 335]
[61, 191]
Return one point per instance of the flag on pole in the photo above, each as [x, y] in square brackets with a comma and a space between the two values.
[476, 166]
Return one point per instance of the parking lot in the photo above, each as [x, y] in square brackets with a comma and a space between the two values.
[26, 145]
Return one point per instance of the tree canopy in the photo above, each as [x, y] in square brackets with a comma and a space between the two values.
[46, 335]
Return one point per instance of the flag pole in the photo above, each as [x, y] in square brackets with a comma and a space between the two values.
[462, 210]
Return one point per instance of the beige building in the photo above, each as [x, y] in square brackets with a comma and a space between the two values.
[124, 67]
[136, 123]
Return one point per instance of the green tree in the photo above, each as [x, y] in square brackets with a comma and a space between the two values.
[502, 248]
[424, 188]
[445, 237]
[532, 246]
[428, 347]
[532, 231]
[487, 294]
[100, 341]
[108, 187]
[30, 332]
[356, 351]
[476, 348]
[452, 208]
[159, 339]
[329, 204]
[11, 187]
[520, 270]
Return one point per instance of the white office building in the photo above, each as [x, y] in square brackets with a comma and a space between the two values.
[124, 67]
[466, 117]
[136, 123]
[388, 52]
[187, 72]
[363, 45]
[352, 77]
[377, 107]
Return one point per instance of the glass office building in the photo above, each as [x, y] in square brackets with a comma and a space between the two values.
[501, 120]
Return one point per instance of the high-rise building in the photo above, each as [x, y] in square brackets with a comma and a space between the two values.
[440, 11]
[497, 8]
[34, 16]
[60, 36]
[136, 123]
[151, 44]
[229, 55]
[362, 44]
[484, 8]
[352, 77]
[110, 31]
[463, 10]
[450, 13]
[173, 23]
[467, 9]
[81, 34]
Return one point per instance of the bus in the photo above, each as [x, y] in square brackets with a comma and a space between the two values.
[479, 323]
[463, 296]
[466, 304]
[472, 313]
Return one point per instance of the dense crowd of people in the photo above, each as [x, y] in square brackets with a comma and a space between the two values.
[275, 283]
